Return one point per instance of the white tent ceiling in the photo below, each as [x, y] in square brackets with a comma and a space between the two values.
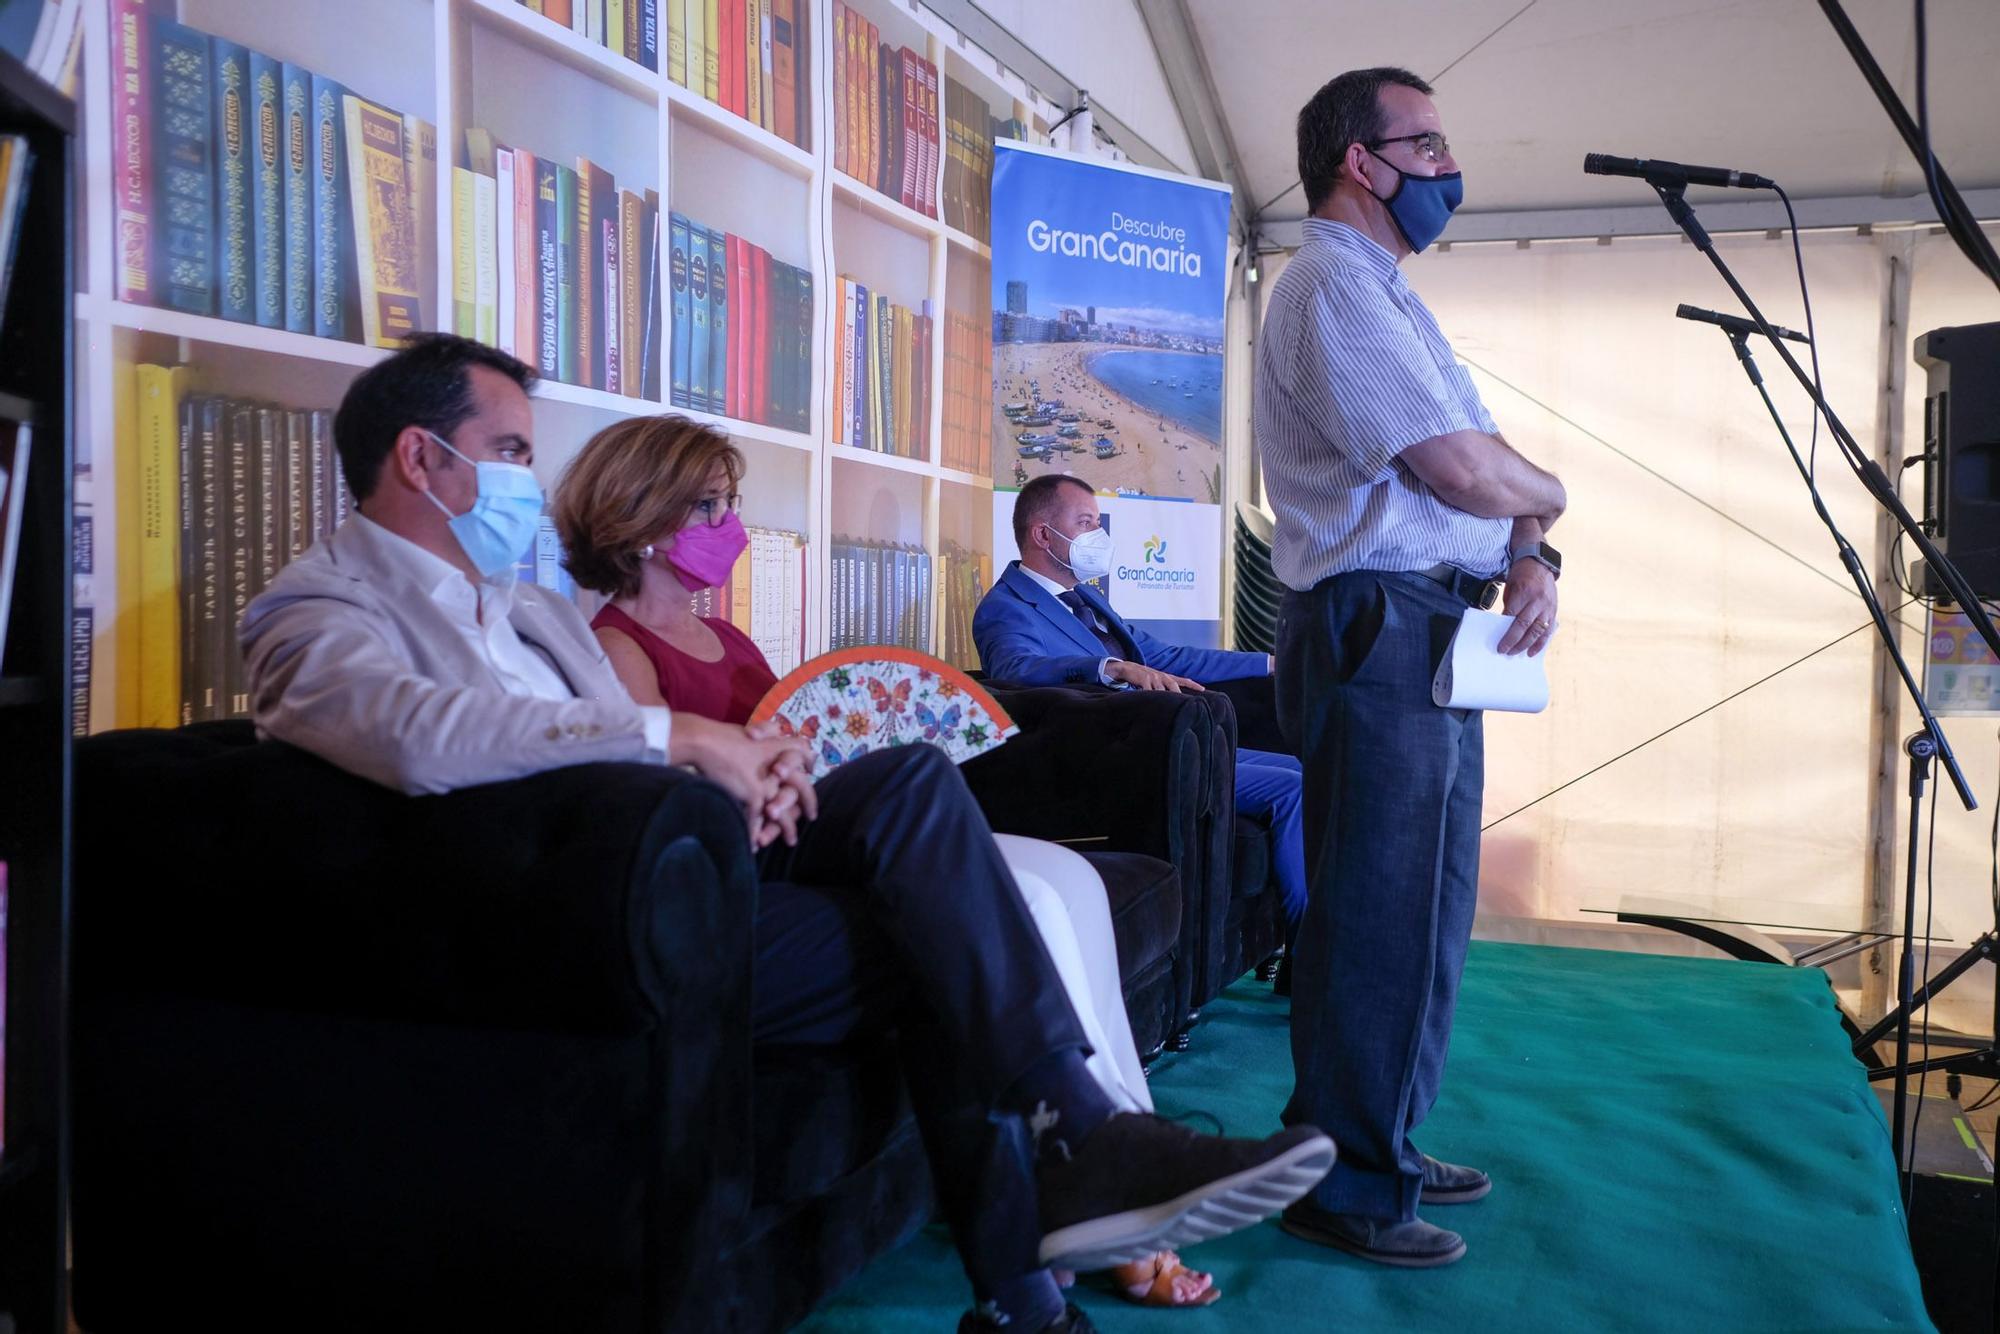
[1527, 87]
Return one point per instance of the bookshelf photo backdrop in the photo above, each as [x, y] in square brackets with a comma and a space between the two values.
[274, 194]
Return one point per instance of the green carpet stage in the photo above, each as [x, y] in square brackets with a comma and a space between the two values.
[1675, 1143]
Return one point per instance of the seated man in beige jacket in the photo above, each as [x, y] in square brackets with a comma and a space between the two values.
[402, 650]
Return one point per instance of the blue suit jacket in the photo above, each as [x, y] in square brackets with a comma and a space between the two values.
[1025, 634]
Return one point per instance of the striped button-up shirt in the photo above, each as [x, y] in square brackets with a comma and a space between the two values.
[1351, 370]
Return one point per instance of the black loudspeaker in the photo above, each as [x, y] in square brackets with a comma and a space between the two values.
[1962, 450]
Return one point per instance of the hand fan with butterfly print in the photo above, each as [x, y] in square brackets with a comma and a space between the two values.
[856, 700]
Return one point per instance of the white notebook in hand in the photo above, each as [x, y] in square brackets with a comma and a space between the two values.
[1475, 674]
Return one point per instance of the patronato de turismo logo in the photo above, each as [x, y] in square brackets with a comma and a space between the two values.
[1152, 571]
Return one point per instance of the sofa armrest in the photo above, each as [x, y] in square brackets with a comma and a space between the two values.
[1107, 770]
[1255, 700]
[585, 898]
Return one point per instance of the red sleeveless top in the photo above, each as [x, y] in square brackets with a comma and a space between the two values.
[725, 690]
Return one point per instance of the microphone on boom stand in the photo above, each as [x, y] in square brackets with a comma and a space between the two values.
[1733, 323]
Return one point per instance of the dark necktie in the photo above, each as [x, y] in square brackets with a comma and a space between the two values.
[1074, 601]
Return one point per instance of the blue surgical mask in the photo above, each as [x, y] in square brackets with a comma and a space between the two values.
[1421, 205]
[501, 524]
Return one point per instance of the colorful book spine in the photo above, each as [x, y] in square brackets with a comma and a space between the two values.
[267, 188]
[752, 12]
[187, 556]
[385, 235]
[649, 31]
[767, 111]
[652, 245]
[784, 71]
[694, 19]
[631, 301]
[682, 329]
[720, 290]
[548, 270]
[270, 505]
[677, 41]
[298, 200]
[207, 622]
[420, 156]
[302, 485]
[183, 162]
[841, 117]
[485, 258]
[755, 346]
[239, 548]
[711, 54]
[506, 323]
[332, 247]
[738, 322]
[132, 149]
[525, 312]
[596, 204]
[802, 334]
[464, 267]
[235, 241]
[127, 457]
[567, 275]
[699, 310]
[338, 496]
[873, 71]
[611, 297]
[588, 280]
[155, 599]
[904, 125]
[321, 478]
[860, 433]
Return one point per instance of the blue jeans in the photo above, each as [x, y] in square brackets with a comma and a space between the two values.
[1392, 805]
[1268, 789]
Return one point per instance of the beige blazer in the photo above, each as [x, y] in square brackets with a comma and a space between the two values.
[348, 657]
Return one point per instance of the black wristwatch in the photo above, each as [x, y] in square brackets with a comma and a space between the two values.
[1541, 552]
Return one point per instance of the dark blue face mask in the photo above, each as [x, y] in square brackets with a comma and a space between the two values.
[1421, 205]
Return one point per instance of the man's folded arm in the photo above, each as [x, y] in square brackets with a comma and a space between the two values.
[325, 678]
[1483, 475]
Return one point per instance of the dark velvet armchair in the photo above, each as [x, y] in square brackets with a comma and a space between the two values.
[349, 1060]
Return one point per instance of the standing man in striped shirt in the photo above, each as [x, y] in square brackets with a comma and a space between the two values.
[1398, 505]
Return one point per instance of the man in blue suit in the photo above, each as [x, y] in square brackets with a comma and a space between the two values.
[1043, 624]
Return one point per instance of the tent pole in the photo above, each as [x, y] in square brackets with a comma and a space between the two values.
[1885, 707]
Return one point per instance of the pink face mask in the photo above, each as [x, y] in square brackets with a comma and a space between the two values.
[703, 554]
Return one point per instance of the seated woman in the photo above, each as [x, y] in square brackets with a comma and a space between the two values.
[647, 513]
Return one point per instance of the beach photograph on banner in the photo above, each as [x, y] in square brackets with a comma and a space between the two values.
[1109, 284]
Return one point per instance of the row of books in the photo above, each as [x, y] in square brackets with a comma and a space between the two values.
[964, 576]
[752, 57]
[970, 129]
[260, 191]
[215, 496]
[556, 265]
[885, 113]
[882, 594]
[631, 28]
[742, 328]
[968, 394]
[882, 357]
[765, 597]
